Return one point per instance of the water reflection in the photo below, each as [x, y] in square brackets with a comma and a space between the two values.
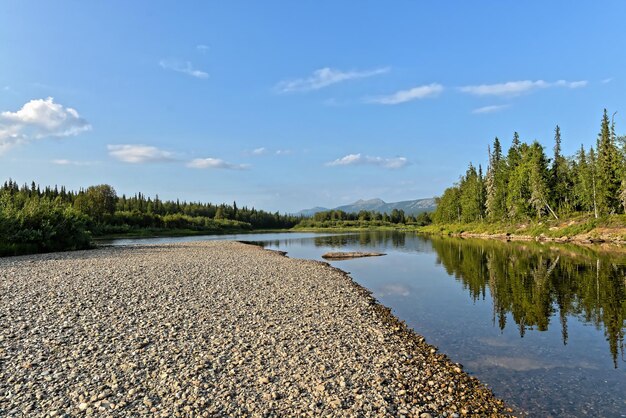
[534, 282]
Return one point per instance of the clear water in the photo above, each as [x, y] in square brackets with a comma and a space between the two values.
[541, 324]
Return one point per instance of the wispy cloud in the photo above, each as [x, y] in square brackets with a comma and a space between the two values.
[73, 162]
[183, 67]
[202, 48]
[358, 159]
[515, 88]
[216, 163]
[37, 119]
[394, 289]
[137, 154]
[572, 84]
[266, 151]
[490, 109]
[325, 77]
[607, 80]
[402, 96]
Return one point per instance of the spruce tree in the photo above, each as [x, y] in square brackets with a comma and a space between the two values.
[538, 180]
[608, 170]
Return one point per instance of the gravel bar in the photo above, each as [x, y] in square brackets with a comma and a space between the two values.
[212, 329]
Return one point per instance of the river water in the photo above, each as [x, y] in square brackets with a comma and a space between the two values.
[541, 324]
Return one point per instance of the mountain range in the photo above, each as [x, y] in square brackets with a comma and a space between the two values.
[410, 207]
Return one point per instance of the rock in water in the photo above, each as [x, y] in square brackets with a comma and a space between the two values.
[348, 255]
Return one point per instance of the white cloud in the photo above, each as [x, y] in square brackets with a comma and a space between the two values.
[607, 80]
[37, 119]
[267, 151]
[490, 109]
[216, 163]
[72, 162]
[347, 160]
[570, 84]
[514, 88]
[402, 96]
[394, 289]
[358, 159]
[136, 154]
[202, 48]
[325, 77]
[182, 67]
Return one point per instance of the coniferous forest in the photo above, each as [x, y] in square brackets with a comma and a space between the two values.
[54, 219]
[524, 184]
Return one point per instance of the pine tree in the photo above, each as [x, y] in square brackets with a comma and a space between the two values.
[583, 194]
[490, 186]
[593, 180]
[538, 179]
[518, 189]
[560, 184]
[608, 170]
[471, 195]
[496, 184]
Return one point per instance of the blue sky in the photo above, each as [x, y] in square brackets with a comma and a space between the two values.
[287, 105]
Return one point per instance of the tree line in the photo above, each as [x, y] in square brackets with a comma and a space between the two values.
[33, 219]
[524, 184]
[335, 218]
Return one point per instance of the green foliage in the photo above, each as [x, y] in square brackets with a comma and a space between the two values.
[97, 201]
[448, 206]
[35, 220]
[608, 169]
[496, 184]
[338, 219]
[527, 186]
[33, 223]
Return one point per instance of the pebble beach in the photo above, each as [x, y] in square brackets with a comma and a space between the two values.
[212, 329]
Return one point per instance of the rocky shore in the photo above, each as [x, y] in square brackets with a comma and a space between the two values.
[212, 329]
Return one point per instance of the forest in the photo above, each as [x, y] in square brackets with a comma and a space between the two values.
[363, 219]
[524, 184]
[54, 219]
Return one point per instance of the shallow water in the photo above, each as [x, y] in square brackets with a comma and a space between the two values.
[541, 324]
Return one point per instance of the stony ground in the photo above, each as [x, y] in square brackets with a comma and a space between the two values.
[211, 329]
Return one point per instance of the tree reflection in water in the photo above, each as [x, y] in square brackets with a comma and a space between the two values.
[533, 282]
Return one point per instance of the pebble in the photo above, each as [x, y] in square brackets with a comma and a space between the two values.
[212, 329]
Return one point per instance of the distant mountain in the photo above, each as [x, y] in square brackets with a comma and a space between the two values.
[311, 212]
[410, 207]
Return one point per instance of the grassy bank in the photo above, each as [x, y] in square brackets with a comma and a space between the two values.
[576, 228]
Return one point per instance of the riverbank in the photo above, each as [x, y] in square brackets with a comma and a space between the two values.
[216, 328]
[582, 229]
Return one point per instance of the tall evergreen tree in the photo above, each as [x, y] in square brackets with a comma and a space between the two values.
[560, 183]
[608, 170]
[583, 185]
[538, 179]
[496, 184]
[518, 193]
